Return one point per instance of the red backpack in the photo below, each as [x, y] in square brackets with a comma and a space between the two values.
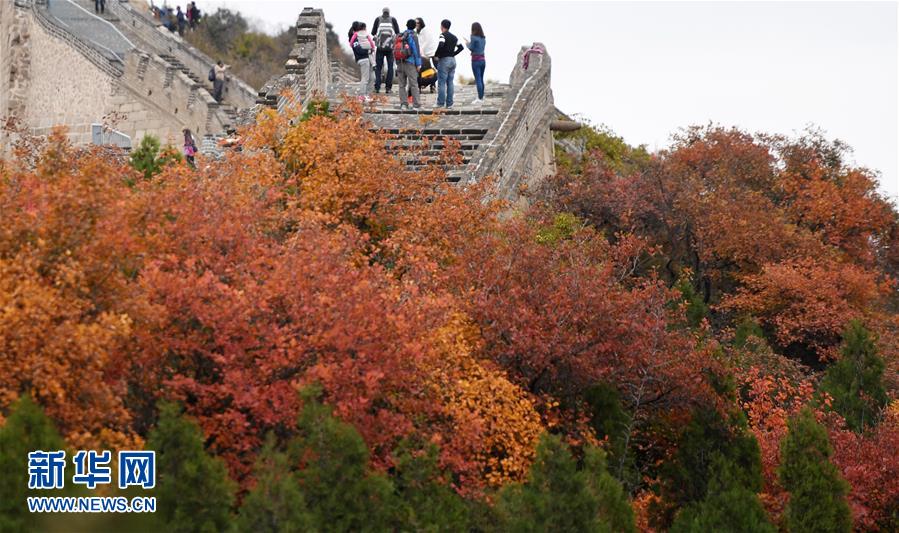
[401, 51]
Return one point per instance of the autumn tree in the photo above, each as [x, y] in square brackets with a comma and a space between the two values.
[559, 496]
[817, 491]
[855, 382]
[806, 303]
[192, 488]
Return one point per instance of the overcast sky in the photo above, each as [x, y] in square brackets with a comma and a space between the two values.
[646, 69]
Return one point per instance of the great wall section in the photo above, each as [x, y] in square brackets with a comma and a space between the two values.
[125, 76]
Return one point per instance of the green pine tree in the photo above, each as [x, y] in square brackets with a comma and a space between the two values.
[610, 420]
[685, 477]
[817, 491]
[275, 504]
[193, 491]
[729, 507]
[150, 157]
[27, 429]
[341, 492]
[432, 504]
[856, 381]
[560, 497]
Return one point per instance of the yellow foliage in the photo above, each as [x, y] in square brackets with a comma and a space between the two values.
[495, 418]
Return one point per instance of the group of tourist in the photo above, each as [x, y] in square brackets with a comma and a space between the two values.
[176, 19]
[414, 51]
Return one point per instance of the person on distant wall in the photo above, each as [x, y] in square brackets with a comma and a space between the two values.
[363, 50]
[448, 48]
[476, 46]
[190, 148]
[385, 29]
[182, 21]
[408, 66]
[189, 13]
[100, 6]
[218, 84]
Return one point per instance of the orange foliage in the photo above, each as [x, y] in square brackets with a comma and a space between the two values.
[496, 420]
[808, 302]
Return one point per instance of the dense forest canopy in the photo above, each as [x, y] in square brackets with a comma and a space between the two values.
[309, 333]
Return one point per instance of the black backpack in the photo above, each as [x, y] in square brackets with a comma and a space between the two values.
[212, 74]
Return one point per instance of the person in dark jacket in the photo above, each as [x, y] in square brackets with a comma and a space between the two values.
[448, 48]
[100, 6]
[384, 29]
[407, 69]
[182, 21]
[476, 46]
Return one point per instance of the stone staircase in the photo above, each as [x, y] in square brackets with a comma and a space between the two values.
[420, 136]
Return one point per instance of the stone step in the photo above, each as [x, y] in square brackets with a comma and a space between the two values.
[425, 111]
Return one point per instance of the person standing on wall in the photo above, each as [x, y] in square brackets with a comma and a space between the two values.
[100, 6]
[182, 21]
[218, 83]
[385, 29]
[476, 46]
[428, 42]
[194, 15]
[448, 48]
[407, 53]
[363, 51]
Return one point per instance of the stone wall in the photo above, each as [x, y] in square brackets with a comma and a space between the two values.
[51, 77]
[15, 62]
[308, 66]
[64, 87]
[155, 39]
[520, 152]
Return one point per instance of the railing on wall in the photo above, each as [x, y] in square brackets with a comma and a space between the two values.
[163, 41]
[525, 113]
[113, 66]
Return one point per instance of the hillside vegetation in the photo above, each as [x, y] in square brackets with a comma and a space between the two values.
[311, 336]
[254, 55]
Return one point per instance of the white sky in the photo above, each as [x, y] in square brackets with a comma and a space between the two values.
[646, 69]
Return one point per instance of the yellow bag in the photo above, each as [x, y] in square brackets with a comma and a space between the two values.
[428, 73]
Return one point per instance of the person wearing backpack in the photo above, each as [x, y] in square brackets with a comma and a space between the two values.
[385, 29]
[363, 50]
[448, 48]
[407, 52]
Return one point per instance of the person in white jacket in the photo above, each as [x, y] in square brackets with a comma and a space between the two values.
[428, 42]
